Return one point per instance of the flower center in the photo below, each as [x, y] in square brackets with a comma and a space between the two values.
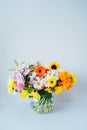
[38, 83]
[51, 81]
[54, 67]
[39, 71]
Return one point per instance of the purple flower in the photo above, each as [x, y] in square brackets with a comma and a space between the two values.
[26, 72]
[24, 69]
[18, 77]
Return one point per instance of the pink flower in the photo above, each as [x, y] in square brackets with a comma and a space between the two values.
[19, 86]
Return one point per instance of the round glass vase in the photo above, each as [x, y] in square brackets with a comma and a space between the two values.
[42, 105]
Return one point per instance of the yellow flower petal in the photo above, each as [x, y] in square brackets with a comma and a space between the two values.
[54, 65]
[73, 78]
[51, 81]
[36, 95]
[48, 90]
[58, 90]
[11, 86]
[24, 94]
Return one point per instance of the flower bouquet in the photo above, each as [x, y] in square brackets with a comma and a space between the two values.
[39, 82]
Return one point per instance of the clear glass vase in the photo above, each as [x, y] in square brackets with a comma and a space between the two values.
[43, 105]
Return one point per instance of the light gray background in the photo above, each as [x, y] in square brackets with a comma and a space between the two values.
[44, 30]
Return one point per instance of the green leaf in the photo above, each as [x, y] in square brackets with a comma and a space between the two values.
[12, 69]
[23, 62]
[45, 94]
[16, 63]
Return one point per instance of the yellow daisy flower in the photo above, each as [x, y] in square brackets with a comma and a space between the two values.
[48, 90]
[11, 85]
[58, 90]
[51, 81]
[24, 94]
[73, 78]
[54, 65]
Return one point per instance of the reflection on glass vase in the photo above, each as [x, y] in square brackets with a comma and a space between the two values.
[43, 105]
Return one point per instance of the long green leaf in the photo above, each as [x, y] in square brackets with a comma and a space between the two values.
[12, 69]
[16, 63]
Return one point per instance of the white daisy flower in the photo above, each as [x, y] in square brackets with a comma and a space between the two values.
[38, 84]
[55, 74]
[33, 76]
[52, 73]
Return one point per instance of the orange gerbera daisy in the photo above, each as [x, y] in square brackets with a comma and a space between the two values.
[40, 71]
[65, 80]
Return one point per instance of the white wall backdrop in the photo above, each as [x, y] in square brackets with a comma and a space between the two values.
[44, 30]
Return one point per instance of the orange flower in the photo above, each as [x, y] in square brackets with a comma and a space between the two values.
[40, 71]
[65, 80]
